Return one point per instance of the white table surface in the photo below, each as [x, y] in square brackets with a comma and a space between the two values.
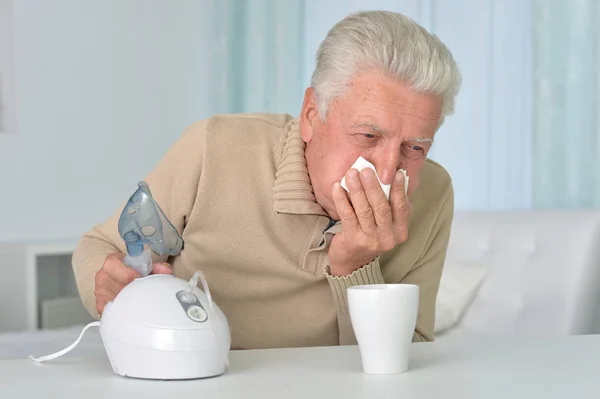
[482, 368]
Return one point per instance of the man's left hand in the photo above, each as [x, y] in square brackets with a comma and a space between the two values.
[371, 223]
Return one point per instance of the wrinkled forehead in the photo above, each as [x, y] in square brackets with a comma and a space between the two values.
[389, 107]
[394, 95]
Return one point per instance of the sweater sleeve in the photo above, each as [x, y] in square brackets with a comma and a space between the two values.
[426, 273]
[173, 183]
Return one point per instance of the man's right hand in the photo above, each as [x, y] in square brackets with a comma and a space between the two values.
[115, 275]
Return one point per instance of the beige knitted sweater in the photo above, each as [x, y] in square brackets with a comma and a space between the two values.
[237, 189]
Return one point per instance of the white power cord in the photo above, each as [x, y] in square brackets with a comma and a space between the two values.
[68, 348]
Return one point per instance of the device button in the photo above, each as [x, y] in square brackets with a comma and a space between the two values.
[186, 297]
[196, 313]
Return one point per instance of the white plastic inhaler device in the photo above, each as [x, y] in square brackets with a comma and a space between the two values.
[159, 326]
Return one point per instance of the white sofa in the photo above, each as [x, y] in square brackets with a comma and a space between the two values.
[541, 274]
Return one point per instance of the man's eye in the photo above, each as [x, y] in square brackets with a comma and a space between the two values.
[417, 148]
[369, 136]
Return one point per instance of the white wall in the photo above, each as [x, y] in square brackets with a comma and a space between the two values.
[103, 88]
[486, 145]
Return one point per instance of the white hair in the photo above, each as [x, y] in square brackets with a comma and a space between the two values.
[390, 43]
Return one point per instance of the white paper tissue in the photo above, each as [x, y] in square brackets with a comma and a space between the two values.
[362, 163]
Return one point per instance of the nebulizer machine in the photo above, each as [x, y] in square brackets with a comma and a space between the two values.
[159, 326]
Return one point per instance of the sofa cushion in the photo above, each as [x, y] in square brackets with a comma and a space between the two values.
[458, 286]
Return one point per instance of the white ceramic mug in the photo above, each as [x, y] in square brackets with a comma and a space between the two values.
[384, 317]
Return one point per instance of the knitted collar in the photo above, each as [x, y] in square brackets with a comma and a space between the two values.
[292, 191]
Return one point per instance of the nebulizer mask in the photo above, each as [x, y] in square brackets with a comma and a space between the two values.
[143, 222]
[159, 326]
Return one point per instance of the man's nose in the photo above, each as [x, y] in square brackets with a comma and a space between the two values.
[387, 166]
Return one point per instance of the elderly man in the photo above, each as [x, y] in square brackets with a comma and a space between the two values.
[258, 202]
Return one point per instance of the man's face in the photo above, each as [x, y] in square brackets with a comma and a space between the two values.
[383, 120]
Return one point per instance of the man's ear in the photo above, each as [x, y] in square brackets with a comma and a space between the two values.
[308, 115]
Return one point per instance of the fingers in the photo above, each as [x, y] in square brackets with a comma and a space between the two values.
[115, 275]
[343, 207]
[100, 305]
[102, 298]
[371, 211]
[111, 279]
[161, 268]
[106, 289]
[381, 209]
[105, 282]
[401, 208]
[120, 272]
[359, 200]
